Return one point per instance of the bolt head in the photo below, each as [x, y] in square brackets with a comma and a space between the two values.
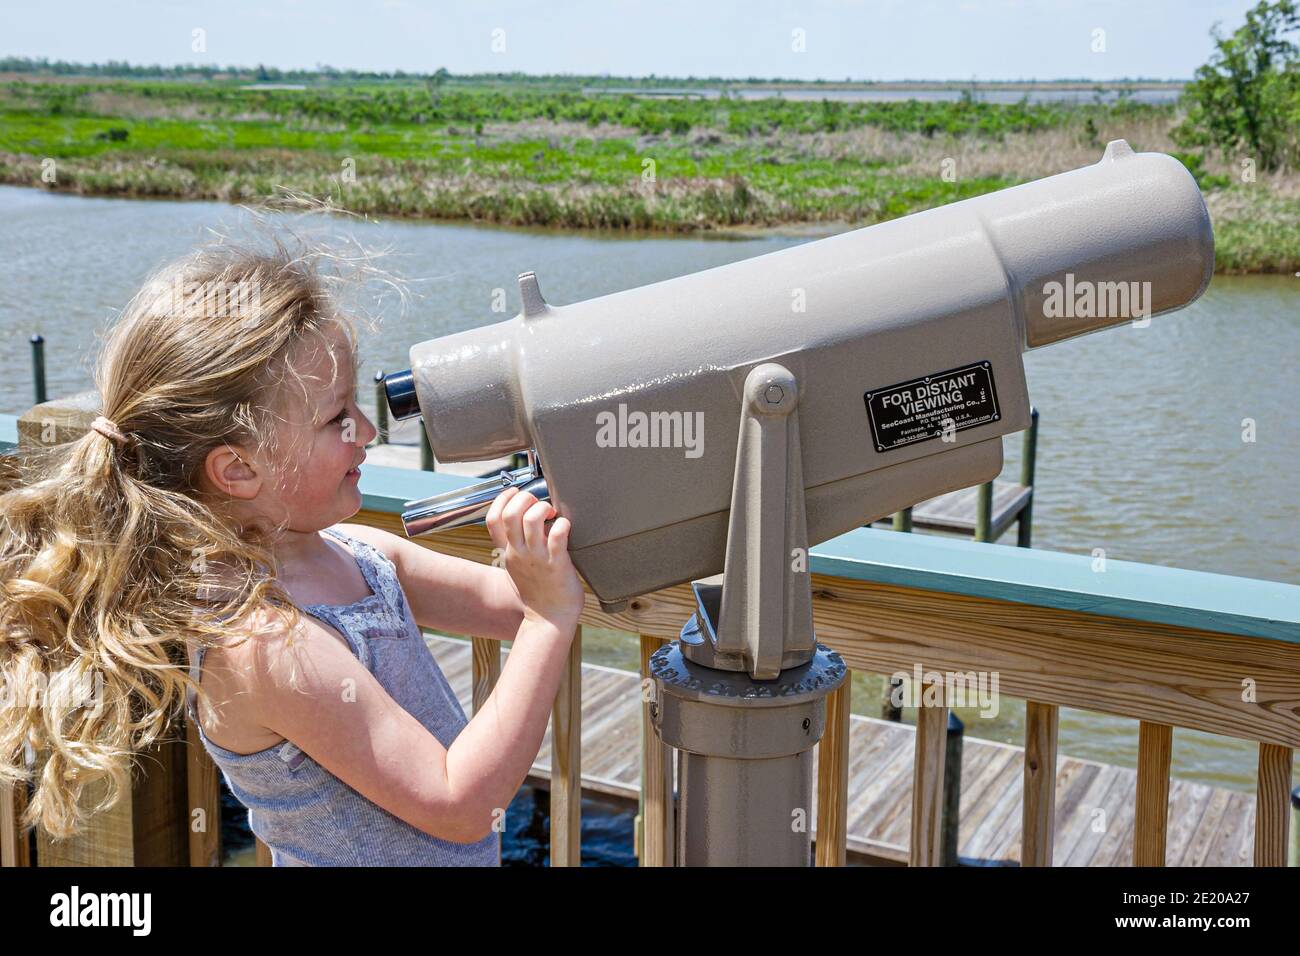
[774, 394]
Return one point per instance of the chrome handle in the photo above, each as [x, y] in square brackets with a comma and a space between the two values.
[470, 505]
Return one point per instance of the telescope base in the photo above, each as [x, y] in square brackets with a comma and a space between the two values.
[745, 771]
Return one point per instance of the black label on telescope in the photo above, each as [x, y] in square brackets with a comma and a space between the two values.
[927, 408]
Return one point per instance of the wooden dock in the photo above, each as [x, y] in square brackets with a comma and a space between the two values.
[1095, 802]
[957, 511]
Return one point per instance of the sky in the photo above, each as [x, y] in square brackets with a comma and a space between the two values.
[832, 40]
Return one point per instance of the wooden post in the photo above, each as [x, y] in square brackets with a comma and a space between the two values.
[203, 787]
[566, 762]
[1038, 814]
[486, 669]
[1272, 805]
[656, 826]
[903, 520]
[833, 778]
[927, 783]
[146, 828]
[15, 848]
[1151, 814]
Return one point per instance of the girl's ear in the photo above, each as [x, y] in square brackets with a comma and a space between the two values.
[226, 470]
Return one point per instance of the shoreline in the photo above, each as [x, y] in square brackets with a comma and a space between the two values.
[1225, 228]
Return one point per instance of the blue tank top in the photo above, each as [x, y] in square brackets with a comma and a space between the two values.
[301, 811]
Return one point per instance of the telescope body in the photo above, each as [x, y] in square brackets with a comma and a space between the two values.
[905, 340]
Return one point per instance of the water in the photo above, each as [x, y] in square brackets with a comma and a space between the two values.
[1140, 444]
[1071, 95]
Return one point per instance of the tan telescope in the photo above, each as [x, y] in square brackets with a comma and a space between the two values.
[903, 342]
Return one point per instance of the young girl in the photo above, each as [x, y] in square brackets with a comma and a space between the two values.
[190, 542]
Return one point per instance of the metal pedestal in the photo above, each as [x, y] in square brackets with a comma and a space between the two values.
[745, 751]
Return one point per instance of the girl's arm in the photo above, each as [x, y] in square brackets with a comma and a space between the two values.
[446, 593]
[296, 688]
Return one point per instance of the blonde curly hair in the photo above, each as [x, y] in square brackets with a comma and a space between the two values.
[115, 558]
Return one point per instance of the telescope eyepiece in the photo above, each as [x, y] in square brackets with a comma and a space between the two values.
[399, 390]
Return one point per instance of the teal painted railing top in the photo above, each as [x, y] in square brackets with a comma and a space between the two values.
[1072, 582]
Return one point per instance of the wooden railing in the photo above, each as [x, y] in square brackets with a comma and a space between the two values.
[1162, 646]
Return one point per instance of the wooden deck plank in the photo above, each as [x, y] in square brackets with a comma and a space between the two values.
[975, 761]
[599, 690]
[893, 816]
[1112, 785]
[891, 784]
[1187, 803]
[976, 775]
[870, 741]
[1231, 844]
[618, 732]
[1009, 789]
[604, 714]
[1207, 825]
[1090, 781]
[1199, 845]
[1117, 845]
[993, 778]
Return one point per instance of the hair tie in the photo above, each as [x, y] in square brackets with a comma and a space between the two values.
[108, 430]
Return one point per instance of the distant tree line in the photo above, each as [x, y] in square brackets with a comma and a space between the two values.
[324, 73]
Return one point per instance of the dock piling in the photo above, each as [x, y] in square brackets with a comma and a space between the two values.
[381, 409]
[38, 367]
[1029, 453]
[426, 453]
[952, 789]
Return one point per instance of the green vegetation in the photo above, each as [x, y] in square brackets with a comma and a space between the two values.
[1247, 98]
[532, 154]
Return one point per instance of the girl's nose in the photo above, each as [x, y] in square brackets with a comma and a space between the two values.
[368, 430]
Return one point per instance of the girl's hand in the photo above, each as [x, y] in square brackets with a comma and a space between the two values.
[537, 557]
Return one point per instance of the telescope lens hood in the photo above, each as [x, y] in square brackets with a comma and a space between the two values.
[399, 389]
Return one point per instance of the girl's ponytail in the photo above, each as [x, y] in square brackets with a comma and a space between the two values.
[116, 556]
